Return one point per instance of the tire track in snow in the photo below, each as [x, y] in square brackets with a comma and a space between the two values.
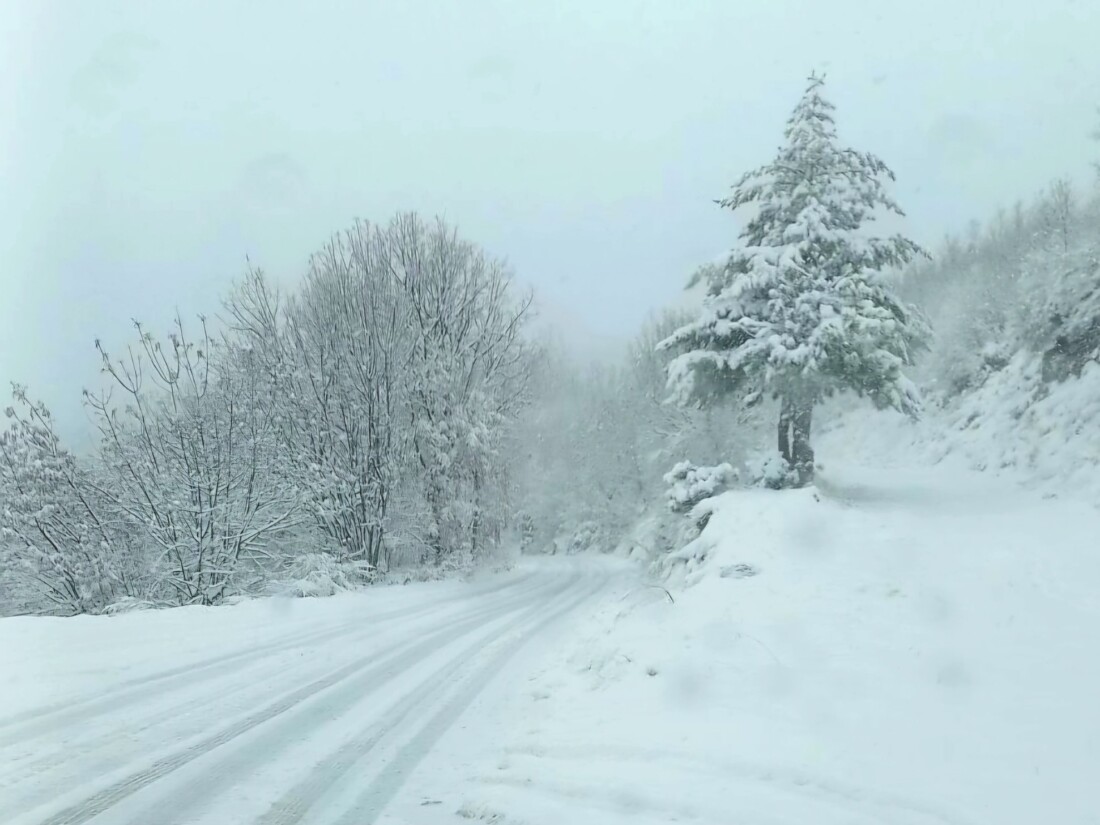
[40, 721]
[70, 764]
[891, 806]
[66, 752]
[361, 669]
[295, 804]
[228, 771]
[381, 791]
[106, 748]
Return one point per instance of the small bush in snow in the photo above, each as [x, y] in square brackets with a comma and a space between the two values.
[130, 604]
[321, 574]
[527, 532]
[995, 356]
[769, 470]
[689, 485]
[587, 537]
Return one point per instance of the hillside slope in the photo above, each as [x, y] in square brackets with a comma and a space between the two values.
[1040, 435]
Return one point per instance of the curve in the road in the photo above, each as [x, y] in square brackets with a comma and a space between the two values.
[373, 800]
[39, 721]
[75, 751]
[363, 677]
[293, 805]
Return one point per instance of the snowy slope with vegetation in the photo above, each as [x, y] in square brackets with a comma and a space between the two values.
[1037, 435]
[1012, 382]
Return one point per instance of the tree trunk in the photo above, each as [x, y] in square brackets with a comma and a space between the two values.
[475, 525]
[802, 454]
[795, 421]
[785, 432]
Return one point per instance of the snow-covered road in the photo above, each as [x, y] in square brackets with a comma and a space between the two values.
[290, 712]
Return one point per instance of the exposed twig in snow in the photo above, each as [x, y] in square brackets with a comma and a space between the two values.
[656, 586]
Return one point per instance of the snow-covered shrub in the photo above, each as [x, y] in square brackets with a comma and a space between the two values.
[995, 356]
[321, 574]
[587, 537]
[768, 469]
[129, 604]
[527, 531]
[688, 484]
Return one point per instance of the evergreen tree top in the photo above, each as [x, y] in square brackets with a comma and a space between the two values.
[800, 308]
[816, 193]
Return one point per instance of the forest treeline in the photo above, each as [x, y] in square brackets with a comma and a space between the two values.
[355, 423]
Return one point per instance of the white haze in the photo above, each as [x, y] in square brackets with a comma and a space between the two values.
[147, 149]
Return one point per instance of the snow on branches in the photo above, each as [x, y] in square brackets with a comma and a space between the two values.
[60, 533]
[801, 310]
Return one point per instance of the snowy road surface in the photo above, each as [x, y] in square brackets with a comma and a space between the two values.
[292, 712]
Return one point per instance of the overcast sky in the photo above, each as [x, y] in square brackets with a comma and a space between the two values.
[149, 147]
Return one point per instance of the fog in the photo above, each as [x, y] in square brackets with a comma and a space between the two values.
[149, 148]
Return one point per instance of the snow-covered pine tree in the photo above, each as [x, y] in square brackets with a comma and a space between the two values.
[800, 309]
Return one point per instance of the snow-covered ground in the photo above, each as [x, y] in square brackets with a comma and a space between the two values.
[911, 643]
[903, 646]
[272, 711]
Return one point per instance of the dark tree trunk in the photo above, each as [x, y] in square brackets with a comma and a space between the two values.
[802, 454]
[435, 534]
[375, 539]
[475, 525]
[795, 421]
[785, 432]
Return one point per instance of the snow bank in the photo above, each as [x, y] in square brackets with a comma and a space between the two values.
[897, 647]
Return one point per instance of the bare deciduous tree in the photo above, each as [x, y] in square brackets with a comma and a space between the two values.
[62, 535]
[190, 457]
